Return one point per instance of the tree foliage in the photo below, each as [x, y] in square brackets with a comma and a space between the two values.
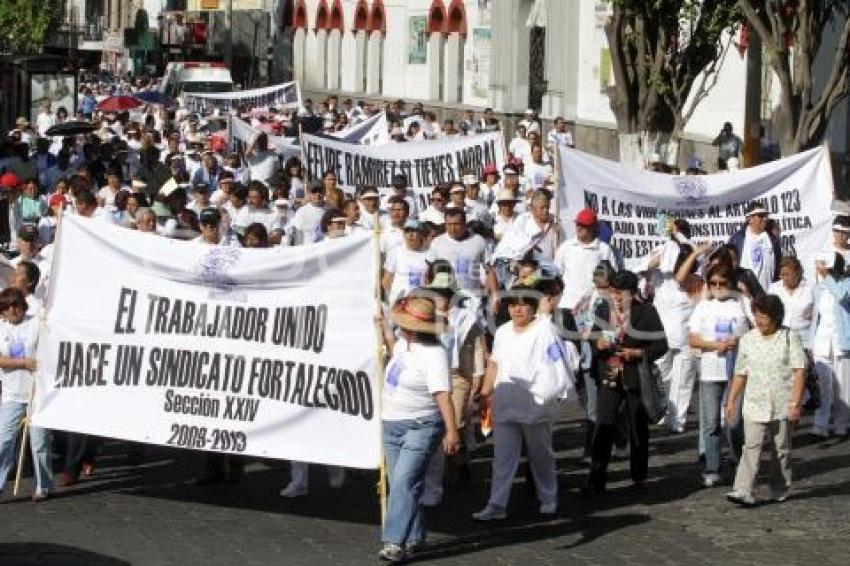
[792, 34]
[25, 24]
[659, 49]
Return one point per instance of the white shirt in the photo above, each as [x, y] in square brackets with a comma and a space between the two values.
[44, 121]
[433, 216]
[413, 375]
[306, 223]
[263, 165]
[248, 215]
[798, 306]
[392, 237]
[673, 304]
[557, 138]
[468, 258]
[537, 173]
[757, 255]
[577, 261]
[716, 320]
[825, 343]
[409, 268]
[520, 149]
[18, 341]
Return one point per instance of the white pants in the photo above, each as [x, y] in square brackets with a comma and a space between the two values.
[678, 368]
[299, 473]
[834, 377]
[507, 447]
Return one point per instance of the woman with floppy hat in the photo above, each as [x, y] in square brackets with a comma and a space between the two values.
[417, 412]
[526, 374]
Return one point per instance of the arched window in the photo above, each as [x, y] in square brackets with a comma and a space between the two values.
[322, 15]
[361, 16]
[336, 16]
[436, 17]
[457, 18]
[299, 19]
[377, 19]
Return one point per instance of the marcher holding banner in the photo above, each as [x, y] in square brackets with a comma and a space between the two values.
[18, 337]
[417, 413]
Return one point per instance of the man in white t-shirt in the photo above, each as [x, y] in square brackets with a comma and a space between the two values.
[307, 219]
[758, 250]
[465, 251]
[519, 147]
[256, 209]
[262, 162]
[406, 266]
[392, 234]
[559, 136]
[369, 201]
[578, 257]
[399, 189]
[436, 211]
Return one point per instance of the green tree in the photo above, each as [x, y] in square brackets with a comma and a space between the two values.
[25, 24]
[792, 34]
[666, 55]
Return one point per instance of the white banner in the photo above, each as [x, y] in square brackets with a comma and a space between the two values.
[284, 95]
[425, 163]
[373, 131]
[262, 352]
[797, 191]
[283, 146]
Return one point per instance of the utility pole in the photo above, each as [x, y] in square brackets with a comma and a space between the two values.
[228, 35]
[752, 103]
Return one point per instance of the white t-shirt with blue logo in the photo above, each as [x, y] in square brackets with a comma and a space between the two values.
[413, 375]
[409, 268]
[716, 320]
[468, 258]
[18, 341]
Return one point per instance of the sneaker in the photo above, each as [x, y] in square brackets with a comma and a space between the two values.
[490, 513]
[549, 508]
[819, 431]
[391, 552]
[778, 495]
[741, 498]
[710, 480]
[293, 490]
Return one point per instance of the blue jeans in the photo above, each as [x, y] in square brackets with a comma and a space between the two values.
[711, 401]
[11, 414]
[408, 446]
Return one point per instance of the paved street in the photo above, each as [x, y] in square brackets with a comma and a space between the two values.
[153, 515]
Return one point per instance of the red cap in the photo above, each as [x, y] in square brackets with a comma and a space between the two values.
[219, 144]
[490, 169]
[56, 199]
[9, 180]
[586, 217]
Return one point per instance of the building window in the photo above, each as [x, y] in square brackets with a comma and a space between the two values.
[377, 21]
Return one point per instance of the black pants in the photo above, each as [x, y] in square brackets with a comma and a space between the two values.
[608, 406]
[79, 448]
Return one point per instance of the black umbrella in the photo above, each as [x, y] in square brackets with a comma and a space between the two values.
[71, 128]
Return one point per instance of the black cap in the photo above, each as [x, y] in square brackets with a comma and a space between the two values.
[399, 180]
[28, 233]
[624, 281]
[209, 216]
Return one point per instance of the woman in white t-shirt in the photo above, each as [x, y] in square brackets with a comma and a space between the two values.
[406, 266]
[797, 296]
[717, 323]
[417, 412]
[526, 374]
[18, 338]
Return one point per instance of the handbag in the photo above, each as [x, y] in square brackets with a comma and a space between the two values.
[651, 395]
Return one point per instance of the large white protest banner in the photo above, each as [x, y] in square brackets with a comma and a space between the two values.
[260, 352]
[797, 192]
[424, 163]
[284, 95]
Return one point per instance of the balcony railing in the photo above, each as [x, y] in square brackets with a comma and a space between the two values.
[93, 29]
